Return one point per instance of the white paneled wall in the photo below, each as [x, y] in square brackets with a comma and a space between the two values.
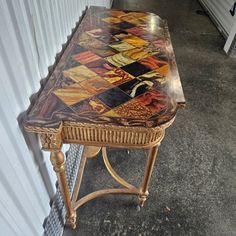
[219, 11]
[31, 34]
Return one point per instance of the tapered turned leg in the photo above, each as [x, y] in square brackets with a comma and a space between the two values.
[147, 175]
[58, 162]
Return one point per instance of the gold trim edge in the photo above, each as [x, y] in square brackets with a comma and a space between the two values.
[99, 135]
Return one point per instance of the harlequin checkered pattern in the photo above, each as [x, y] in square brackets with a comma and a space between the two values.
[118, 69]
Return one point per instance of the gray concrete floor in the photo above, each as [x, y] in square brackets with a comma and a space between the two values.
[193, 188]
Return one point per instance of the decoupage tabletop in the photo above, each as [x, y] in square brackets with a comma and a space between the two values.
[118, 69]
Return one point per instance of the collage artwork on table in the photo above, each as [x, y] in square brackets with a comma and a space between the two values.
[118, 71]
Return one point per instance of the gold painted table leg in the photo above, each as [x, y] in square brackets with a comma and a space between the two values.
[147, 175]
[89, 152]
[58, 162]
[127, 188]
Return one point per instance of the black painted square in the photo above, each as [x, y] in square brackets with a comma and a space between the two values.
[124, 25]
[134, 87]
[113, 97]
[135, 69]
[115, 31]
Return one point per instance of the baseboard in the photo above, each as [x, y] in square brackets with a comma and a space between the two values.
[55, 222]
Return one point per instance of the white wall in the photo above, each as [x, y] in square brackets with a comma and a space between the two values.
[31, 34]
[226, 23]
[219, 9]
[230, 45]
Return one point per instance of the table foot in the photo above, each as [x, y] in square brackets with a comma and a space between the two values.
[142, 198]
[71, 220]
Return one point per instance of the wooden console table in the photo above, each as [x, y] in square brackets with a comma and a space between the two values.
[116, 85]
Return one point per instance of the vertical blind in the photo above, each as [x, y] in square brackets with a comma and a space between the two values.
[31, 34]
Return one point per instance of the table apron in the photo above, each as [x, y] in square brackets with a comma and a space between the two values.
[113, 138]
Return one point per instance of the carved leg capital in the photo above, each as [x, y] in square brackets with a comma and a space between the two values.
[58, 161]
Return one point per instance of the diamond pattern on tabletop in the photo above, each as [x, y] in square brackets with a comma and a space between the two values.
[133, 109]
[116, 65]
[113, 97]
[121, 46]
[86, 57]
[136, 53]
[153, 78]
[102, 35]
[135, 69]
[95, 85]
[156, 101]
[152, 62]
[115, 31]
[124, 25]
[137, 31]
[109, 39]
[134, 87]
[153, 50]
[100, 66]
[79, 73]
[111, 113]
[164, 70]
[131, 19]
[104, 51]
[72, 94]
[96, 33]
[117, 76]
[89, 42]
[111, 20]
[122, 34]
[135, 41]
[119, 60]
[90, 106]
[135, 14]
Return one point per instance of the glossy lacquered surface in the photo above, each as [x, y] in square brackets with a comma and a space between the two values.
[119, 69]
